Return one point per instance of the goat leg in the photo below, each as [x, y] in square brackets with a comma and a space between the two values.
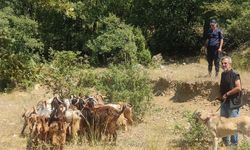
[215, 143]
[24, 126]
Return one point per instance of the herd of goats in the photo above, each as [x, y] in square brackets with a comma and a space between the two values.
[57, 120]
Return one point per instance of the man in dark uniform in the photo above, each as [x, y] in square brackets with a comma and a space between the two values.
[214, 44]
[230, 86]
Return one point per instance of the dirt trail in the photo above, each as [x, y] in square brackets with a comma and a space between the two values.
[178, 88]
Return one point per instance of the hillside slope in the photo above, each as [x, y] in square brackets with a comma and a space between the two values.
[177, 88]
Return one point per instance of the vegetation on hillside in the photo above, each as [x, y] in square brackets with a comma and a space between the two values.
[58, 43]
[66, 75]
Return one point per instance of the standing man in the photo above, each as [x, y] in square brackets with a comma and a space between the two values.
[230, 86]
[214, 44]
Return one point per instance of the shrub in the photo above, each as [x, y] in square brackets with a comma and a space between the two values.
[239, 28]
[88, 80]
[117, 42]
[19, 42]
[241, 58]
[62, 74]
[128, 84]
[17, 70]
[195, 136]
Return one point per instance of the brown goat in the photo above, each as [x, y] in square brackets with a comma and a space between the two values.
[105, 119]
[40, 129]
[27, 120]
[58, 136]
[99, 98]
[127, 116]
[58, 115]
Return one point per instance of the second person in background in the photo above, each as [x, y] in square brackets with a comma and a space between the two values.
[214, 45]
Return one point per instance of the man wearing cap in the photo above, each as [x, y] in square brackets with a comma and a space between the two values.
[214, 44]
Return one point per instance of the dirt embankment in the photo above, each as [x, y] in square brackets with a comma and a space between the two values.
[187, 85]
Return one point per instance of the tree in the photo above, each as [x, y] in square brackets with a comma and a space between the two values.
[234, 17]
[19, 40]
[117, 42]
[169, 26]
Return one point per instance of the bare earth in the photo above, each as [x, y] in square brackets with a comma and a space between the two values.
[156, 130]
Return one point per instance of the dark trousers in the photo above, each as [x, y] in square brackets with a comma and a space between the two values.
[213, 57]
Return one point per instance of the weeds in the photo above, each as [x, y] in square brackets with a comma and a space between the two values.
[245, 145]
[241, 59]
[195, 135]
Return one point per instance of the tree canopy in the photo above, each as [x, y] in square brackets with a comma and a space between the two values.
[112, 31]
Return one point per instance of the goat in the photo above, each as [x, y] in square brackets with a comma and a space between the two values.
[40, 129]
[87, 122]
[73, 117]
[221, 126]
[58, 136]
[105, 121]
[58, 115]
[127, 116]
[78, 102]
[56, 102]
[99, 98]
[26, 116]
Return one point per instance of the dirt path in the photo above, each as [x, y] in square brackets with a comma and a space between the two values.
[155, 132]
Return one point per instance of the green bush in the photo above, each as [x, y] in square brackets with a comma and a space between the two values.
[17, 70]
[195, 136]
[239, 28]
[18, 33]
[62, 74]
[19, 42]
[88, 80]
[241, 59]
[117, 42]
[127, 84]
